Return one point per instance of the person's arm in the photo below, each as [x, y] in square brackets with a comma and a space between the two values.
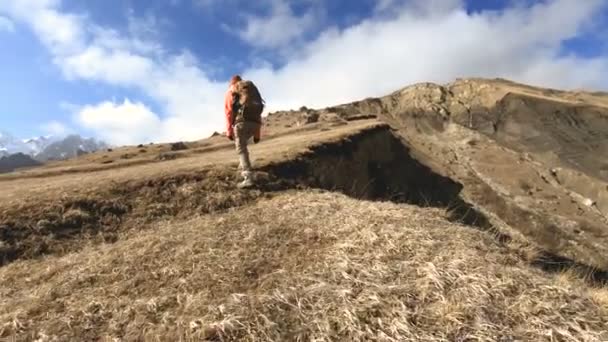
[229, 115]
[257, 134]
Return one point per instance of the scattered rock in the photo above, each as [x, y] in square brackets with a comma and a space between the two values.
[127, 156]
[588, 202]
[140, 145]
[166, 156]
[310, 117]
[178, 146]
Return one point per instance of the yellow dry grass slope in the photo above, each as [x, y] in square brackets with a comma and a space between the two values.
[301, 266]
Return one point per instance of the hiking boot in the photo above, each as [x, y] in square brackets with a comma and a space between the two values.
[247, 183]
[247, 180]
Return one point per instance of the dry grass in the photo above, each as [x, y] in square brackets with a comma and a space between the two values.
[303, 266]
[64, 224]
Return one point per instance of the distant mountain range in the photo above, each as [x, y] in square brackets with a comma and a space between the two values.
[37, 145]
[47, 147]
[70, 147]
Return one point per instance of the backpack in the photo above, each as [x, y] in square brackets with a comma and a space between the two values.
[251, 104]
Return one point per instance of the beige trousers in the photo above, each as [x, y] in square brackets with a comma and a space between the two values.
[243, 132]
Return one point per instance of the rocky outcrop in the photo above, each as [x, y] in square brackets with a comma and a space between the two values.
[501, 140]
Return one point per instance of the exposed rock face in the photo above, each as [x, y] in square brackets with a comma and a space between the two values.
[501, 140]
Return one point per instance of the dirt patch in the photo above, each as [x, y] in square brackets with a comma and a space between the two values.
[376, 165]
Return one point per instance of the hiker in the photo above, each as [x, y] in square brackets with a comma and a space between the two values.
[243, 108]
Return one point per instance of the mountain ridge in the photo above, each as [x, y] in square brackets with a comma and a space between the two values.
[45, 148]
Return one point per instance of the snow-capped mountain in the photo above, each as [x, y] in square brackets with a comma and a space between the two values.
[48, 147]
[37, 145]
[70, 147]
[11, 145]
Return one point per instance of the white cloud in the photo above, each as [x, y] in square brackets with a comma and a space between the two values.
[402, 43]
[56, 128]
[279, 28]
[121, 123]
[392, 8]
[62, 33]
[382, 5]
[114, 66]
[436, 41]
[6, 24]
[192, 103]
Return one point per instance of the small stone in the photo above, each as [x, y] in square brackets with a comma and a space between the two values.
[178, 146]
[196, 325]
[588, 202]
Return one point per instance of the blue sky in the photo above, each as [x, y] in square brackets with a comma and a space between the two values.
[131, 71]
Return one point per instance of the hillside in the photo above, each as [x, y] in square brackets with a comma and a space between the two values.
[475, 210]
[9, 163]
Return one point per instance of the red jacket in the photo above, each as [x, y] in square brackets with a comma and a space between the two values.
[229, 114]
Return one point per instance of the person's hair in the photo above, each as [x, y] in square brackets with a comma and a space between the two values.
[235, 78]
